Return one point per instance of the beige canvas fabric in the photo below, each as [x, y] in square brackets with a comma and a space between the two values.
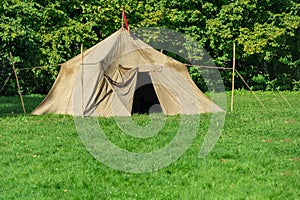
[104, 84]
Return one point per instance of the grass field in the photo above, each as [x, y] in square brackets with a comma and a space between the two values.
[257, 156]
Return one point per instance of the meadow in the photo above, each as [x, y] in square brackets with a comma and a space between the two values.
[256, 157]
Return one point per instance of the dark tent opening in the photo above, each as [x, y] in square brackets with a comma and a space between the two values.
[145, 100]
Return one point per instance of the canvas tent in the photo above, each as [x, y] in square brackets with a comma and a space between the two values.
[122, 75]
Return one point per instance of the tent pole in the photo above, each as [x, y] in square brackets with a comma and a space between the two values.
[233, 71]
[123, 10]
[18, 84]
[82, 94]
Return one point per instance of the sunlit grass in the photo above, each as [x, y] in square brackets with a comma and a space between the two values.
[257, 156]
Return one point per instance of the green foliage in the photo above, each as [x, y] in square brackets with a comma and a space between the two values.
[263, 31]
[296, 86]
[257, 156]
[259, 82]
[267, 34]
[197, 78]
[39, 35]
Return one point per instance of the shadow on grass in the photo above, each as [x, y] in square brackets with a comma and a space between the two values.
[11, 105]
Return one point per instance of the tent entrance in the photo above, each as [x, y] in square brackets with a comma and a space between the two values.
[145, 100]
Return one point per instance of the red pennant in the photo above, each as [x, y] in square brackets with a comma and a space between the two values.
[125, 20]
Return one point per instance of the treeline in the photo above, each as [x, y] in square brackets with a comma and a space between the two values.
[48, 32]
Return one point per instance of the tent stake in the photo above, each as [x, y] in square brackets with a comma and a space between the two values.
[232, 86]
[18, 84]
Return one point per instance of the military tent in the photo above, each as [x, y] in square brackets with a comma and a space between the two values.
[122, 75]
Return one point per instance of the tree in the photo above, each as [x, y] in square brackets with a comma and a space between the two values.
[49, 32]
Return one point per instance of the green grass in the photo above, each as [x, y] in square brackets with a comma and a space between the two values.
[257, 156]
